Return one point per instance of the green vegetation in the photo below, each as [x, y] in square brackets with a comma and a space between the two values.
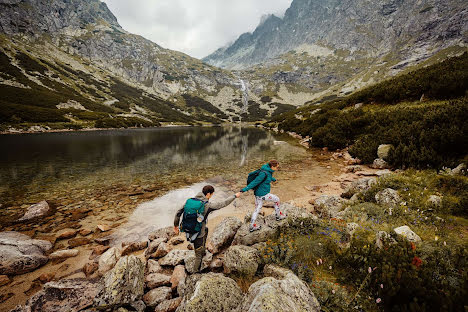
[254, 112]
[123, 122]
[346, 269]
[196, 102]
[424, 134]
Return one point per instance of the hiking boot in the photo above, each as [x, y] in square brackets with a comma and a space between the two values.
[255, 227]
[281, 216]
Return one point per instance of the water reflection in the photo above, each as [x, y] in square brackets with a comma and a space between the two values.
[32, 163]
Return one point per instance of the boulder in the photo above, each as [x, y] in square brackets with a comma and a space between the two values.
[388, 197]
[108, 260]
[328, 206]
[152, 266]
[178, 276]
[241, 259]
[35, 211]
[62, 296]
[212, 292]
[63, 254]
[379, 164]
[287, 294]
[434, 201]
[153, 246]
[190, 261]
[275, 271]
[357, 186]
[383, 151]
[124, 284]
[353, 168]
[460, 169]
[381, 238]
[154, 280]
[155, 296]
[177, 240]
[134, 246]
[163, 250]
[223, 234]
[407, 233]
[169, 305]
[174, 257]
[20, 254]
[166, 233]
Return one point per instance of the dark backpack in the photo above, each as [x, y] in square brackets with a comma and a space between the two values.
[192, 219]
[253, 175]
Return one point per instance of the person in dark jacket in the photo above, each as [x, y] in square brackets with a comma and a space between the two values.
[200, 242]
[262, 186]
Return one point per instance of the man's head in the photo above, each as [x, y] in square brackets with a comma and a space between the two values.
[274, 164]
[208, 191]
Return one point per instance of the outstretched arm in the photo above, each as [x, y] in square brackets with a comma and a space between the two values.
[220, 204]
[260, 177]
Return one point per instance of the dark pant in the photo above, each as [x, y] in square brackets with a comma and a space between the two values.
[199, 246]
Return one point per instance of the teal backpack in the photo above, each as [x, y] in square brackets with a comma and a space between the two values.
[192, 220]
[253, 175]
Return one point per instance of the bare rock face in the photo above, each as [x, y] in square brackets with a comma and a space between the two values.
[36, 211]
[124, 284]
[241, 259]
[62, 296]
[210, 292]
[286, 294]
[223, 234]
[20, 254]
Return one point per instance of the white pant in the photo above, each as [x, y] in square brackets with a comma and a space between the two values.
[259, 204]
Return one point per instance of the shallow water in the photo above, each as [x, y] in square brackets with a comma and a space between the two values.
[54, 166]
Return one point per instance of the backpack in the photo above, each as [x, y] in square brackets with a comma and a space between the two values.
[192, 219]
[253, 175]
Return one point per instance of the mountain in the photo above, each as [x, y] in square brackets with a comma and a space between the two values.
[331, 47]
[70, 61]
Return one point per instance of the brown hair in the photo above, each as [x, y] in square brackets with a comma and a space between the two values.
[208, 189]
[273, 163]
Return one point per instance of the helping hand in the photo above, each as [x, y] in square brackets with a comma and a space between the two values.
[176, 230]
[238, 194]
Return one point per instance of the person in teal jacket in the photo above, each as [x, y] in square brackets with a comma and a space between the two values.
[262, 187]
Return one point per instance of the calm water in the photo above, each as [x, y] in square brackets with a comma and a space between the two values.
[35, 165]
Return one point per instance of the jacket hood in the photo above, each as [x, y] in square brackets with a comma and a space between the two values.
[266, 167]
[201, 196]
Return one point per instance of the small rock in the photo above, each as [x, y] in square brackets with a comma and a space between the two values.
[105, 241]
[46, 277]
[4, 279]
[460, 169]
[35, 211]
[328, 205]
[357, 186]
[169, 305]
[135, 246]
[152, 266]
[104, 227]
[242, 259]
[85, 232]
[383, 237]
[353, 168]
[406, 232]
[434, 201]
[69, 233]
[178, 276]
[153, 246]
[63, 254]
[163, 250]
[108, 260]
[154, 280]
[90, 267]
[177, 240]
[275, 271]
[382, 173]
[166, 233]
[380, 164]
[351, 228]
[98, 250]
[388, 197]
[155, 296]
[79, 241]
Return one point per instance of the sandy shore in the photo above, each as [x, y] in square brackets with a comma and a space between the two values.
[298, 183]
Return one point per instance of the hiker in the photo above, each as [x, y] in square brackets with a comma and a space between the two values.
[260, 180]
[195, 213]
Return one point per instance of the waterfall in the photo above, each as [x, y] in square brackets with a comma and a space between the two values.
[245, 97]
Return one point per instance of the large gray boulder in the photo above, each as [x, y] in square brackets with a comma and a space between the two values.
[223, 234]
[124, 284]
[383, 151]
[20, 254]
[35, 211]
[358, 186]
[269, 225]
[287, 294]
[212, 292]
[328, 206]
[407, 233]
[63, 296]
[388, 197]
[241, 259]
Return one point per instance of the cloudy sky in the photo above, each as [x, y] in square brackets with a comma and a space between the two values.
[195, 27]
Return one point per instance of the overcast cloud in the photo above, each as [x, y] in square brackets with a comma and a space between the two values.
[195, 27]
